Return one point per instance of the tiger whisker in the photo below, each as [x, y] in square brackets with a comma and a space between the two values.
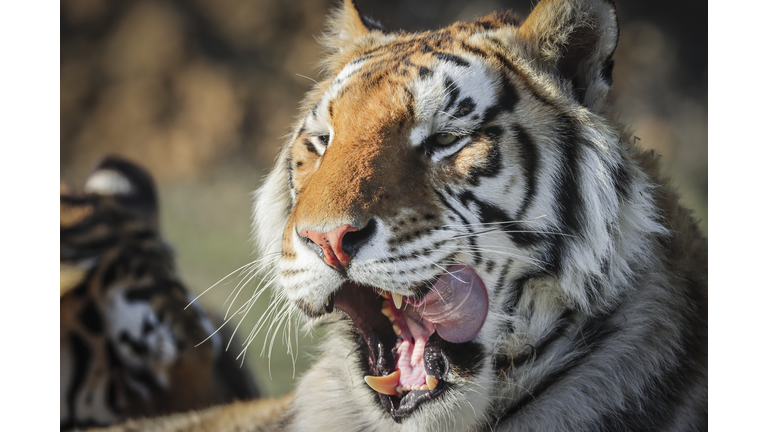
[258, 291]
[252, 273]
[474, 224]
[220, 280]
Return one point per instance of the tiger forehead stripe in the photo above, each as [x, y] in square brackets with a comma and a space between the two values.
[320, 112]
[449, 93]
[452, 98]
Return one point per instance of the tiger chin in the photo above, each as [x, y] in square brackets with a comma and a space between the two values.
[486, 246]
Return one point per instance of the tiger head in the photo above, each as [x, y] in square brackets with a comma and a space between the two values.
[447, 195]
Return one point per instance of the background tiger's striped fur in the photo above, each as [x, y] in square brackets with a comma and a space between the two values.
[130, 346]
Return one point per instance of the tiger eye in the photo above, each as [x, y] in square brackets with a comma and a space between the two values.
[445, 138]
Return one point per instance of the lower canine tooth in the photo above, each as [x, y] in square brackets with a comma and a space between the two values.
[386, 384]
[431, 382]
[397, 299]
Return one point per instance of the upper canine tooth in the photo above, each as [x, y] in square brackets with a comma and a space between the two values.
[384, 384]
[327, 301]
[431, 382]
[397, 299]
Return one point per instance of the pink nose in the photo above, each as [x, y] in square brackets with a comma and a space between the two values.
[331, 244]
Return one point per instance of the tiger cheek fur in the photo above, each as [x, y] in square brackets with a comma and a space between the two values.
[476, 165]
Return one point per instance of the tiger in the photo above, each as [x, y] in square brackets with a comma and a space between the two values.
[485, 245]
[128, 343]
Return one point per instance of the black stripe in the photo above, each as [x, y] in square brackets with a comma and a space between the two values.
[654, 407]
[313, 111]
[514, 231]
[91, 318]
[453, 92]
[569, 208]
[139, 347]
[557, 331]
[530, 156]
[471, 234]
[512, 68]
[505, 270]
[621, 178]
[492, 166]
[289, 171]
[310, 146]
[360, 59]
[146, 293]
[590, 336]
[465, 358]
[478, 52]
[488, 212]
[411, 112]
[82, 361]
[489, 266]
[112, 400]
[465, 107]
[506, 103]
[458, 61]
[515, 292]
[110, 276]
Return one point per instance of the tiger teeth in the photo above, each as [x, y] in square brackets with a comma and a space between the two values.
[430, 385]
[431, 382]
[327, 301]
[397, 299]
[387, 311]
[386, 384]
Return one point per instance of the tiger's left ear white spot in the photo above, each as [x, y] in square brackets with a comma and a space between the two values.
[108, 182]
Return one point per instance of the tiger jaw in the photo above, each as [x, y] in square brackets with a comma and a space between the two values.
[406, 341]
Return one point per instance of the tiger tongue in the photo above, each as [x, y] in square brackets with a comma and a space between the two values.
[455, 307]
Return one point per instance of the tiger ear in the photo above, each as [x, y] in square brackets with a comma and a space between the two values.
[345, 27]
[575, 39]
[127, 183]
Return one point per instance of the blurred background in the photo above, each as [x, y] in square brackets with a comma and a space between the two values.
[201, 92]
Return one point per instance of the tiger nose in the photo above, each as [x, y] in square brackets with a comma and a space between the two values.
[339, 245]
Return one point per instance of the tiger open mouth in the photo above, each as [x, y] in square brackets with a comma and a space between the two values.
[406, 342]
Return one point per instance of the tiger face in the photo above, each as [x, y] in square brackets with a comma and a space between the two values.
[447, 202]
